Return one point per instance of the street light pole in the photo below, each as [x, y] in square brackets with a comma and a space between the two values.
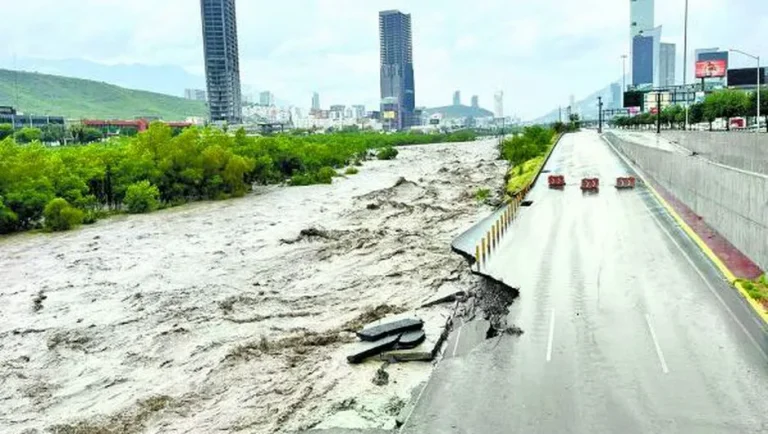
[757, 89]
[685, 65]
[600, 115]
[758, 94]
[623, 78]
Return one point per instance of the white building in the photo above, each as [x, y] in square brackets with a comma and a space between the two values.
[195, 94]
[667, 64]
[498, 104]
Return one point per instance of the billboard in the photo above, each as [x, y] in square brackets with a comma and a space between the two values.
[745, 76]
[633, 98]
[389, 115]
[711, 68]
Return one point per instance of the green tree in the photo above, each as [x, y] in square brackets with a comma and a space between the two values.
[53, 133]
[141, 197]
[28, 135]
[763, 105]
[61, 216]
[83, 134]
[28, 201]
[387, 153]
[696, 113]
[6, 130]
[8, 219]
[727, 103]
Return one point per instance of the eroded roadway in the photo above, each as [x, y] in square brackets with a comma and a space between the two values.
[628, 327]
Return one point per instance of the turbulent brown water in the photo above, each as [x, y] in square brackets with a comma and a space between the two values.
[233, 316]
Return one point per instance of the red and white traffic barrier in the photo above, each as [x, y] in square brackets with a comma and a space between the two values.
[590, 184]
[556, 181]
[625, 182]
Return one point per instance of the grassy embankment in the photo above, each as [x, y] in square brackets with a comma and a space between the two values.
[757, 289]
[58, 188]
[526, 153]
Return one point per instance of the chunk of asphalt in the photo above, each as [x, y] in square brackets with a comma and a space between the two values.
[410, 340]
[373, 349]
[397, 327]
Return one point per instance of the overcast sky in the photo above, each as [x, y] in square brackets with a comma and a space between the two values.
[539, 52]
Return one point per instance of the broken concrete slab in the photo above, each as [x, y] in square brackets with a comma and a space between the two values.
[388, 327]
[371, 349]
[410, 340]
[425, 350]
[446, 296]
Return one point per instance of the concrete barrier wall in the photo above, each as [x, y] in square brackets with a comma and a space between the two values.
[733, 202]
[743, 150]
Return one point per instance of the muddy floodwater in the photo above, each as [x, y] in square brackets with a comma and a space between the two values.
[235, 316]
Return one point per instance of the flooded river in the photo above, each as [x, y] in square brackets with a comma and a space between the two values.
[234, 316]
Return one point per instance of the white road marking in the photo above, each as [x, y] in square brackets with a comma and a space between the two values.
[664, 367]
[687, 257]
[709, 285]
[456, 343]
[551, 336]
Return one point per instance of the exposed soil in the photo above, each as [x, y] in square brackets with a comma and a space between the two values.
[236, 315]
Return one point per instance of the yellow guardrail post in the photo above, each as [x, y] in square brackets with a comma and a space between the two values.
[477, 256]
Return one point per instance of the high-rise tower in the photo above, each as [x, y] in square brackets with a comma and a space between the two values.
[398, 94]
[222, 63]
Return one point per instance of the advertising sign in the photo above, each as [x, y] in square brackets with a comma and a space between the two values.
[745, 77]
[711, 68]
[389, 115]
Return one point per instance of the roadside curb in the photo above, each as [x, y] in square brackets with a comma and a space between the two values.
[708, 252]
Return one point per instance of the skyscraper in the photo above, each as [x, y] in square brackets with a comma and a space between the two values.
[641, 17]
[646, 53]
[475, 101]
[222, 63]
[266, 99]
[641, 22]
[667, 65]
[398, 94]
[498, 104]
[315, 101]
[457, 97]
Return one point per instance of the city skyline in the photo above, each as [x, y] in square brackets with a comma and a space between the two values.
[332, 47]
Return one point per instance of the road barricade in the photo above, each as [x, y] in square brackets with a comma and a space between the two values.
[624, 182]
[590, 184]
[556, 181]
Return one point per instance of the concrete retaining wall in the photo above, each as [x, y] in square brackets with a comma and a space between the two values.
[733, 202]
[743, 150]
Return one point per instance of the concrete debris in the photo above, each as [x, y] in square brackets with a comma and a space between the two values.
[374, 333]
[381, 377]
[372, 349]
[410, 340]
[443, 297]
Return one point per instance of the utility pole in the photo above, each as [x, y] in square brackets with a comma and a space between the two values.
[623, 79]
[685, 65]
[599, 115]
[658, 112]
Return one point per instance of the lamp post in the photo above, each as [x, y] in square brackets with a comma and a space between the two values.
[685, 65]
[600, 115]
[758, 82]
[623, 78]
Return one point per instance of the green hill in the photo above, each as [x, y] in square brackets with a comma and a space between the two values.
[459, 111]
[54, 95]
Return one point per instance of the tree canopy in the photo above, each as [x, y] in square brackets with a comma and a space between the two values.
[157, 168]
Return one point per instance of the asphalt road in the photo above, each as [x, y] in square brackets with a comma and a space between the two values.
[628, 327]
